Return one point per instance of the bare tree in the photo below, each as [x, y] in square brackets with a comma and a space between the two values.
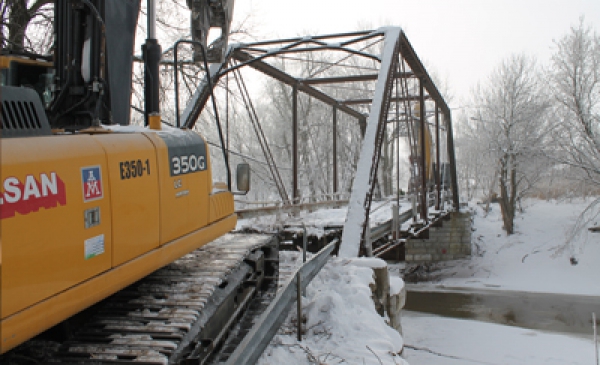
[574, 77]
[512, 112]
[15, 19]
[477, 167]
[575, 81]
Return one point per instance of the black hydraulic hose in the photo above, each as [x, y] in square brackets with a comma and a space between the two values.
[94, 10]
[75, 106]
[212, 95]
[214, 102]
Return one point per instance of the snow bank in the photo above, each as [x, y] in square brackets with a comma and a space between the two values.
[341, 326]
[533, 259]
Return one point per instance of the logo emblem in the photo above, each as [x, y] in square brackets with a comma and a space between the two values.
[91, 179]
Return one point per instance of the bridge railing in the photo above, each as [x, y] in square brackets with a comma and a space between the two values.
[300, 204]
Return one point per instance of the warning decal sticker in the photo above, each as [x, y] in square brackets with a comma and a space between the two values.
[94, 246]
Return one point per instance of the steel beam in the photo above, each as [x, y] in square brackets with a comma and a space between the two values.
[203, 91]
[415, 64]
[295, 143]
[423, 152]
[288, 79]
[334, 147]
[437, 158]
[369, 101]
[318, 37]
[360, 201]
[351, 78]
[452, 158]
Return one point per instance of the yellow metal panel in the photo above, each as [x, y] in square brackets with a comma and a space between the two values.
[133, 178]
[46, 186]
[184, 205]
[221, 205]
[6, 60]
[28, 323]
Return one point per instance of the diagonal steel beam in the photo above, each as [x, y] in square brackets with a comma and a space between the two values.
[351, 78]
[362, 34]
[198, 101]
[415, 64]
[366, 172]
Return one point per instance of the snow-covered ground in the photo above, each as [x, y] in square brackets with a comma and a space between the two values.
[535, 258]
[344, 328]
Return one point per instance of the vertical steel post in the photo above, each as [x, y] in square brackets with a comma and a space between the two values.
[295, 143]
[334, 147]
[227, 114]
[437, 158]
[151, 52]
[423, 151]
[452, 158]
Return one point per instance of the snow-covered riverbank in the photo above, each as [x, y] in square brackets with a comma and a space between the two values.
[535, 258]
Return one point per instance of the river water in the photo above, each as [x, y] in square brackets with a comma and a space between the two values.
[550, 312]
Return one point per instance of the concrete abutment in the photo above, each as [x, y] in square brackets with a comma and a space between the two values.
[449, 240]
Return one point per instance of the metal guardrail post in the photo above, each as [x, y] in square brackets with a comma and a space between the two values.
[395, 222]
[299, 304]
[304, 243]
[413, 201]
[595, 336]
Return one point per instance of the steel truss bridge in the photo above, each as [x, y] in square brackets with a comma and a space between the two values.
[372, 80]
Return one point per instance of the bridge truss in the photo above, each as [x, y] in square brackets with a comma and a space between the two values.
[373, 78]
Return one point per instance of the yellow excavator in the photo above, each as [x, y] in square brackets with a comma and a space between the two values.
[89, 204]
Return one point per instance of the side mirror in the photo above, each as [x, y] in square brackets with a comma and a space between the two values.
[243, 178]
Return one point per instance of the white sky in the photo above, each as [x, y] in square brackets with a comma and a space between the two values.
[460, 40]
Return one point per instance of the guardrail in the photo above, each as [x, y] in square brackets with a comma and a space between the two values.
[269, 322]
[257, 212]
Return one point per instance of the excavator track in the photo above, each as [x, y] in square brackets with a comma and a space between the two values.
[182, 313]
